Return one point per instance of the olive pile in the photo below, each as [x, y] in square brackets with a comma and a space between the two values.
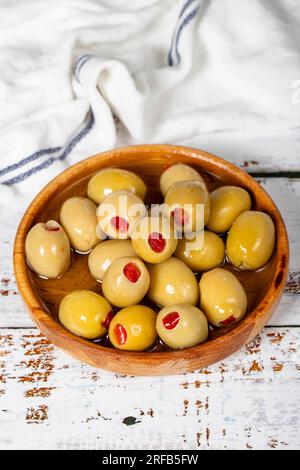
[140, 257]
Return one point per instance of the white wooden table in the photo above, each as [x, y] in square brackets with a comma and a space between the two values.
[251, 400]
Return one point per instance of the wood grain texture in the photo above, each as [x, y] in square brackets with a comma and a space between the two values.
[54, 402]
[264, 153]
[284, 191]
[149, 162]
[49, 401]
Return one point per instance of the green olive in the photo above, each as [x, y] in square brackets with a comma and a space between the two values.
[108, 180]
[178, 172]
[227, 203]
[47, 249]
[126, 281]
[85, 314]
[222, 297]
[101, 257]
[188, 204]
[251, 240]
[153, 239]
[119, 212]
[182, 326]
[203, 252]
[133, 328]
[78, 217]
[172, 282]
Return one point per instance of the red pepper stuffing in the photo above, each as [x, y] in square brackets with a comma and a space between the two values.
[157, 242]
[180, 216]
[120, 224]
[171, 320]
[52, 229]
[228, 321]
[108, 319]
[121, 334]
[132, 272]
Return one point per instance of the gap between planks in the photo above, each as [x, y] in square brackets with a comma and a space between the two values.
[249, 400]
[284, 191]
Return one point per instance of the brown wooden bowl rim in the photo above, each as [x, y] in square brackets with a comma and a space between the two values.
[47, 323]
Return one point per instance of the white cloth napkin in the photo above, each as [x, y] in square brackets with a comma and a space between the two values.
[81, 76]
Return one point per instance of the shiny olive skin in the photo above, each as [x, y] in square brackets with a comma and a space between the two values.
[203, 252]
[175, 173]
[182, 326]
[78, 217]
[47, 249]
[153, 239]
[227, 203]
[222, 297]
[251, 240]
[133, 328]
[108, 180]
[188, 205]
[119, 212]
[171, 283]
[85, 314]
[126, 281]
[101, 257]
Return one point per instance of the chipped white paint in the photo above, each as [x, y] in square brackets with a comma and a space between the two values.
[48, 400]
[268, 153]
[286, 194]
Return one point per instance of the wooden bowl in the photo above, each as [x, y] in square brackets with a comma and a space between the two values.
[264, 288]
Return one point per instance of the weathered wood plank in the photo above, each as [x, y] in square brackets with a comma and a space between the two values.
[264, 153]
[286, 193]
[50, 401]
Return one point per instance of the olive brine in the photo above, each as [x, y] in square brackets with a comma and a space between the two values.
[161, 276]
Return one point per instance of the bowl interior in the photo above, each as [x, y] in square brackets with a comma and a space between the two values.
[148, 166]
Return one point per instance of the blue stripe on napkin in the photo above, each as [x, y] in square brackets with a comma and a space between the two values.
[51, 160]
[80, 63]
[186, 21]
[48, 151]
[31, 158]
[180, 25]
[185, 6]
